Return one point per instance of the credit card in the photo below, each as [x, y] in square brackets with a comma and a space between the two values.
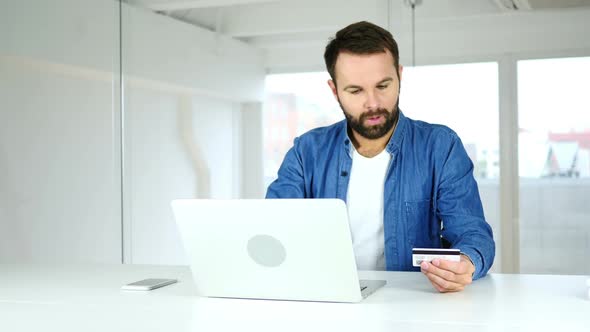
[420, 255]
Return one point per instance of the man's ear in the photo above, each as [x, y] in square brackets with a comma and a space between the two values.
[401, 69]
[333, 88]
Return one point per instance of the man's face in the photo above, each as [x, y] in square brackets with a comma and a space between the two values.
[367, 89]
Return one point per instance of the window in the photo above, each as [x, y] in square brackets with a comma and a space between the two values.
[463, 97]
[554, 165]
[294, 104]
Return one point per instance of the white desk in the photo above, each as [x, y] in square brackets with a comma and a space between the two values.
[87, 298]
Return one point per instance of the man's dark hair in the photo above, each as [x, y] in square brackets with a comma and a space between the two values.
[360, 38]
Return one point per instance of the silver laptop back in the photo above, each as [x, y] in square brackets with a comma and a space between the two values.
[287, 249]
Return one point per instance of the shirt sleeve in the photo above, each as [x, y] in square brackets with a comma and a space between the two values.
[460, 209]
[290, 182]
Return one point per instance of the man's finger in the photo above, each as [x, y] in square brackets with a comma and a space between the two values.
[463, 279]
[455, 267]
[437, 287]
[443, 285]
[444, 274]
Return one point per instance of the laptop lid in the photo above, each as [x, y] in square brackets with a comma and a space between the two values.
[288, 249]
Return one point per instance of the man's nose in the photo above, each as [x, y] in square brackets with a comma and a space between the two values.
[372, 102]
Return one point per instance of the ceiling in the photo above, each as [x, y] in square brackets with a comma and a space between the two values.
[293, 33]
[272, 23]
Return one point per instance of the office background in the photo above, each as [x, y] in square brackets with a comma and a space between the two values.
[109, 110]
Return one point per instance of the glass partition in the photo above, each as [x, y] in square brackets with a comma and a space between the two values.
[59, 155]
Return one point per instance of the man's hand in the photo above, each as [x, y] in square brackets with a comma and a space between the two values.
[447, 276]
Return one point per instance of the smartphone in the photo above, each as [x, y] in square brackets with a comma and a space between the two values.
[148, 284]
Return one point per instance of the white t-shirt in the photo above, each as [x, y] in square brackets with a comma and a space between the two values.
[365, 209]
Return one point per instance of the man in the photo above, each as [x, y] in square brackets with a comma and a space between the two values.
[406, 183]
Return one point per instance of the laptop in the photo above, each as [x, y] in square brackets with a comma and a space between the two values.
[280, 249]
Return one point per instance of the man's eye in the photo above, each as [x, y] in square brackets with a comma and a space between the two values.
[381, 87]
[355, 92]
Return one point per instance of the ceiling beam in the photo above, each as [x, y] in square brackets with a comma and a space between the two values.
[171, 5]
[302, 16]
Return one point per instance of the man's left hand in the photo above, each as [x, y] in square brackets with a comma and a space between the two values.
[447, 276]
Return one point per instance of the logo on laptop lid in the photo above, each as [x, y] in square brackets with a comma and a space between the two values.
[266, 250]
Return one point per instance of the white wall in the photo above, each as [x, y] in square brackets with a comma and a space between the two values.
[58, 174]
[252, 151]
[160, 166]
[187, 75]
[58, 185]
[59, 128]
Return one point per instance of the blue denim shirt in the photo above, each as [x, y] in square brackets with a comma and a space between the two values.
[429, 183]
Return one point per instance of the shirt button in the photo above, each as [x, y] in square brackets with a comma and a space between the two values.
[344, 173]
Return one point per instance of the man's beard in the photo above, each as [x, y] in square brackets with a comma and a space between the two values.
[375, 131]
